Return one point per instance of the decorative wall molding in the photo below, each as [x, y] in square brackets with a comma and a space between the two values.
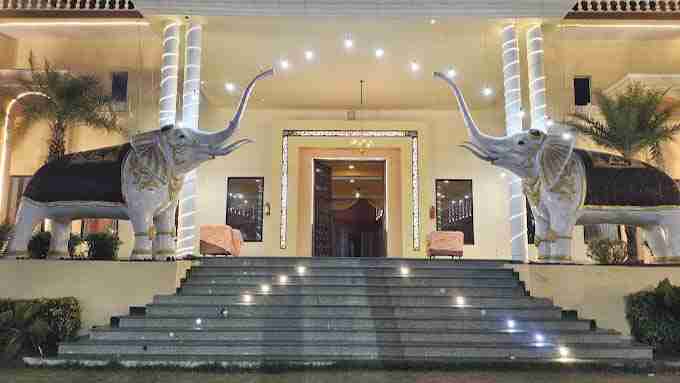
[68, 8]
[620, 9]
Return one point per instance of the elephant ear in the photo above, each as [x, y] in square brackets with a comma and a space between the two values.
[553, 158]
[142, 142]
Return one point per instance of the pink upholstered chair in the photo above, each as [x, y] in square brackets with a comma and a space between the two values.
[220, 240]
[445, 243]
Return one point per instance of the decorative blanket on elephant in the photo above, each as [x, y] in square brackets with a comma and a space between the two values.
[614, 181]
[94, 175]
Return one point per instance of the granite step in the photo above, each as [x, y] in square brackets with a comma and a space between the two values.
[366, 351]
[356, 323]
[255, 297]
[294, 334]
[398, 271]
[339, 280]
[348, 262]
[338, 311]
[369, 291]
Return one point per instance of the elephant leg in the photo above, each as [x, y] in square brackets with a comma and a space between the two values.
[657, 241]
[672, 229]
[541, 228]
[561, 230]
[29, 214]
[164, 244]
[61, 230]
[142, 224]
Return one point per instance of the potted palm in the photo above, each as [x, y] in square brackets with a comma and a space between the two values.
[635, 122]
[72, 100]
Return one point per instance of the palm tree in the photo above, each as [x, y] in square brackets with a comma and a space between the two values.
[72, 100]
[635, 122]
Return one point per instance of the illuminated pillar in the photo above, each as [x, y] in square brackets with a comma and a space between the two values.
[191, 94]
[169, 68]
[513, 124]
[537, 97]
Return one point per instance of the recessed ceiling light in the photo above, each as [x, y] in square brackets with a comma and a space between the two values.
[487, 91]
[352, 181]
[433, 21]
[309, 55]
[379, 52]
[415, 66]
[230, 87]
[351, 166]
[451, 73]
[285, 64]
[349, 43]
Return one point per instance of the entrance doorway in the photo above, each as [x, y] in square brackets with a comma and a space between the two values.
[349, 208]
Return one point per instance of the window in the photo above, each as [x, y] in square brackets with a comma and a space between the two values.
[455, 207]
[119, 91]
[245, 205]
[582, 90]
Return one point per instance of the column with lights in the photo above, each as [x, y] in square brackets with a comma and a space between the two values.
[191, 93]
[513, 124]
[169, 69]
[537, 94]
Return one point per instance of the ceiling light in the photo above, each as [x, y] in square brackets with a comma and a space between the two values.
[564, 351]
[357, 194]
[301, 270]
[566, 136]
[415, 66]
[351, 166]
[309, 55]
[352, 180]
[511, 323]
[404, 271]
[451, 73]
[349, 43]
[265, 288]
[285, 64]
[487, 91]
[230, 87]
[379, 52]
[433, 21]
[539, 338]
[549, 122]
[283, 279]
[460, 301]
[199, 321]
[247, 298]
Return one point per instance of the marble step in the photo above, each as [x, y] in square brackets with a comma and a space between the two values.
[293, 334]
[190, 289]
[255, 297]
[343, 311]
[367, 351]
[340, 280]
[313, 271]
[349, 262]
[356, 323]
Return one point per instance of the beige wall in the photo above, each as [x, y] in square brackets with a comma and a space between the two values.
[596, 292]
[104, 289]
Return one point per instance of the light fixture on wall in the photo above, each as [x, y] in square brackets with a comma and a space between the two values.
[363, 143]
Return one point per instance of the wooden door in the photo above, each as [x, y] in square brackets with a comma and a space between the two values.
[322, 238]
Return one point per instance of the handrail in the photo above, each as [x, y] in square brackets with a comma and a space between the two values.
[66, 5]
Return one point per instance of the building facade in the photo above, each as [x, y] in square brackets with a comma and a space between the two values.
[353, 99]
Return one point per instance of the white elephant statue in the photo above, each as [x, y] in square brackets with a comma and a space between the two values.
[139, 181]
[567, 186]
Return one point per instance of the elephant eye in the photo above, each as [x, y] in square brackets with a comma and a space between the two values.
[520, 142]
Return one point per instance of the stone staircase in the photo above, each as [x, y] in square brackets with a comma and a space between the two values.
[254, 311]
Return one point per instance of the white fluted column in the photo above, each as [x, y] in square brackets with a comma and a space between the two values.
[513, 124]
[187, 235]
[169, 71]
[537, 95]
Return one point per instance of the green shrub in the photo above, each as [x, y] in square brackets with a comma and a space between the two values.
[75, 246]
[607, 251]
[654, 316]
[37, 326]
[39, 244]
[103, 246]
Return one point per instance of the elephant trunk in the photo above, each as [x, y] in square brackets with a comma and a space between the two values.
[218, 138]
[485, 145]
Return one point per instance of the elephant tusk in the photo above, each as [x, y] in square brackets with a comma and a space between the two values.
[478, 152]
[230, 148]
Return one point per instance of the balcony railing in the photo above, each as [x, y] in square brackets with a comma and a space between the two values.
[626, 9]
[67, 5]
